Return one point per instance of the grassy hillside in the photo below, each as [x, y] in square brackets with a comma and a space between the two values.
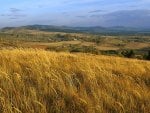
[114, 45]
[36, 81]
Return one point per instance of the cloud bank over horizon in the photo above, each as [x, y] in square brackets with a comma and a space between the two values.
[130, 13]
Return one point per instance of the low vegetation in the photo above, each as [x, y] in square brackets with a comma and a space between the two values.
[130, 46]
[38, 81]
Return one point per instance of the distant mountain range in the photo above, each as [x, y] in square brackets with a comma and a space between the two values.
[95, 30]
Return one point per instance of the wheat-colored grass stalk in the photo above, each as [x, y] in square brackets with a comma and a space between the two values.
[37, 81]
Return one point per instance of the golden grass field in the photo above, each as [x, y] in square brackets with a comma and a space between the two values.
[37, 81]
[36, 39]
[104, 46]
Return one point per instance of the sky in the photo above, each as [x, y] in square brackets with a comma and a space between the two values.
[107, 13]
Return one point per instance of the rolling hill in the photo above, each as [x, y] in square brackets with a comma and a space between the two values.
[36, 81]
[95, 29]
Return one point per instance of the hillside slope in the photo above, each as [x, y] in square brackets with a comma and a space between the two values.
[36, 81]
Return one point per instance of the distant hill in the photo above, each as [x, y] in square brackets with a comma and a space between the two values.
[95, 30]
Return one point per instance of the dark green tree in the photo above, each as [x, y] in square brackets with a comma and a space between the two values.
[148, 55]
[128, 53]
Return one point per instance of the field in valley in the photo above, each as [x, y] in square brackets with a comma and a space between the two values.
[75, 42]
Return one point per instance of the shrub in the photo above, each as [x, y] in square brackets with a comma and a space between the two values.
[147, 57]
[128, 53]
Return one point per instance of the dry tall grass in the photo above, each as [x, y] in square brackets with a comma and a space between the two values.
[36, 81]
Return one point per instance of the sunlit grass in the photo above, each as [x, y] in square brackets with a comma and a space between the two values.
[36, 81]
